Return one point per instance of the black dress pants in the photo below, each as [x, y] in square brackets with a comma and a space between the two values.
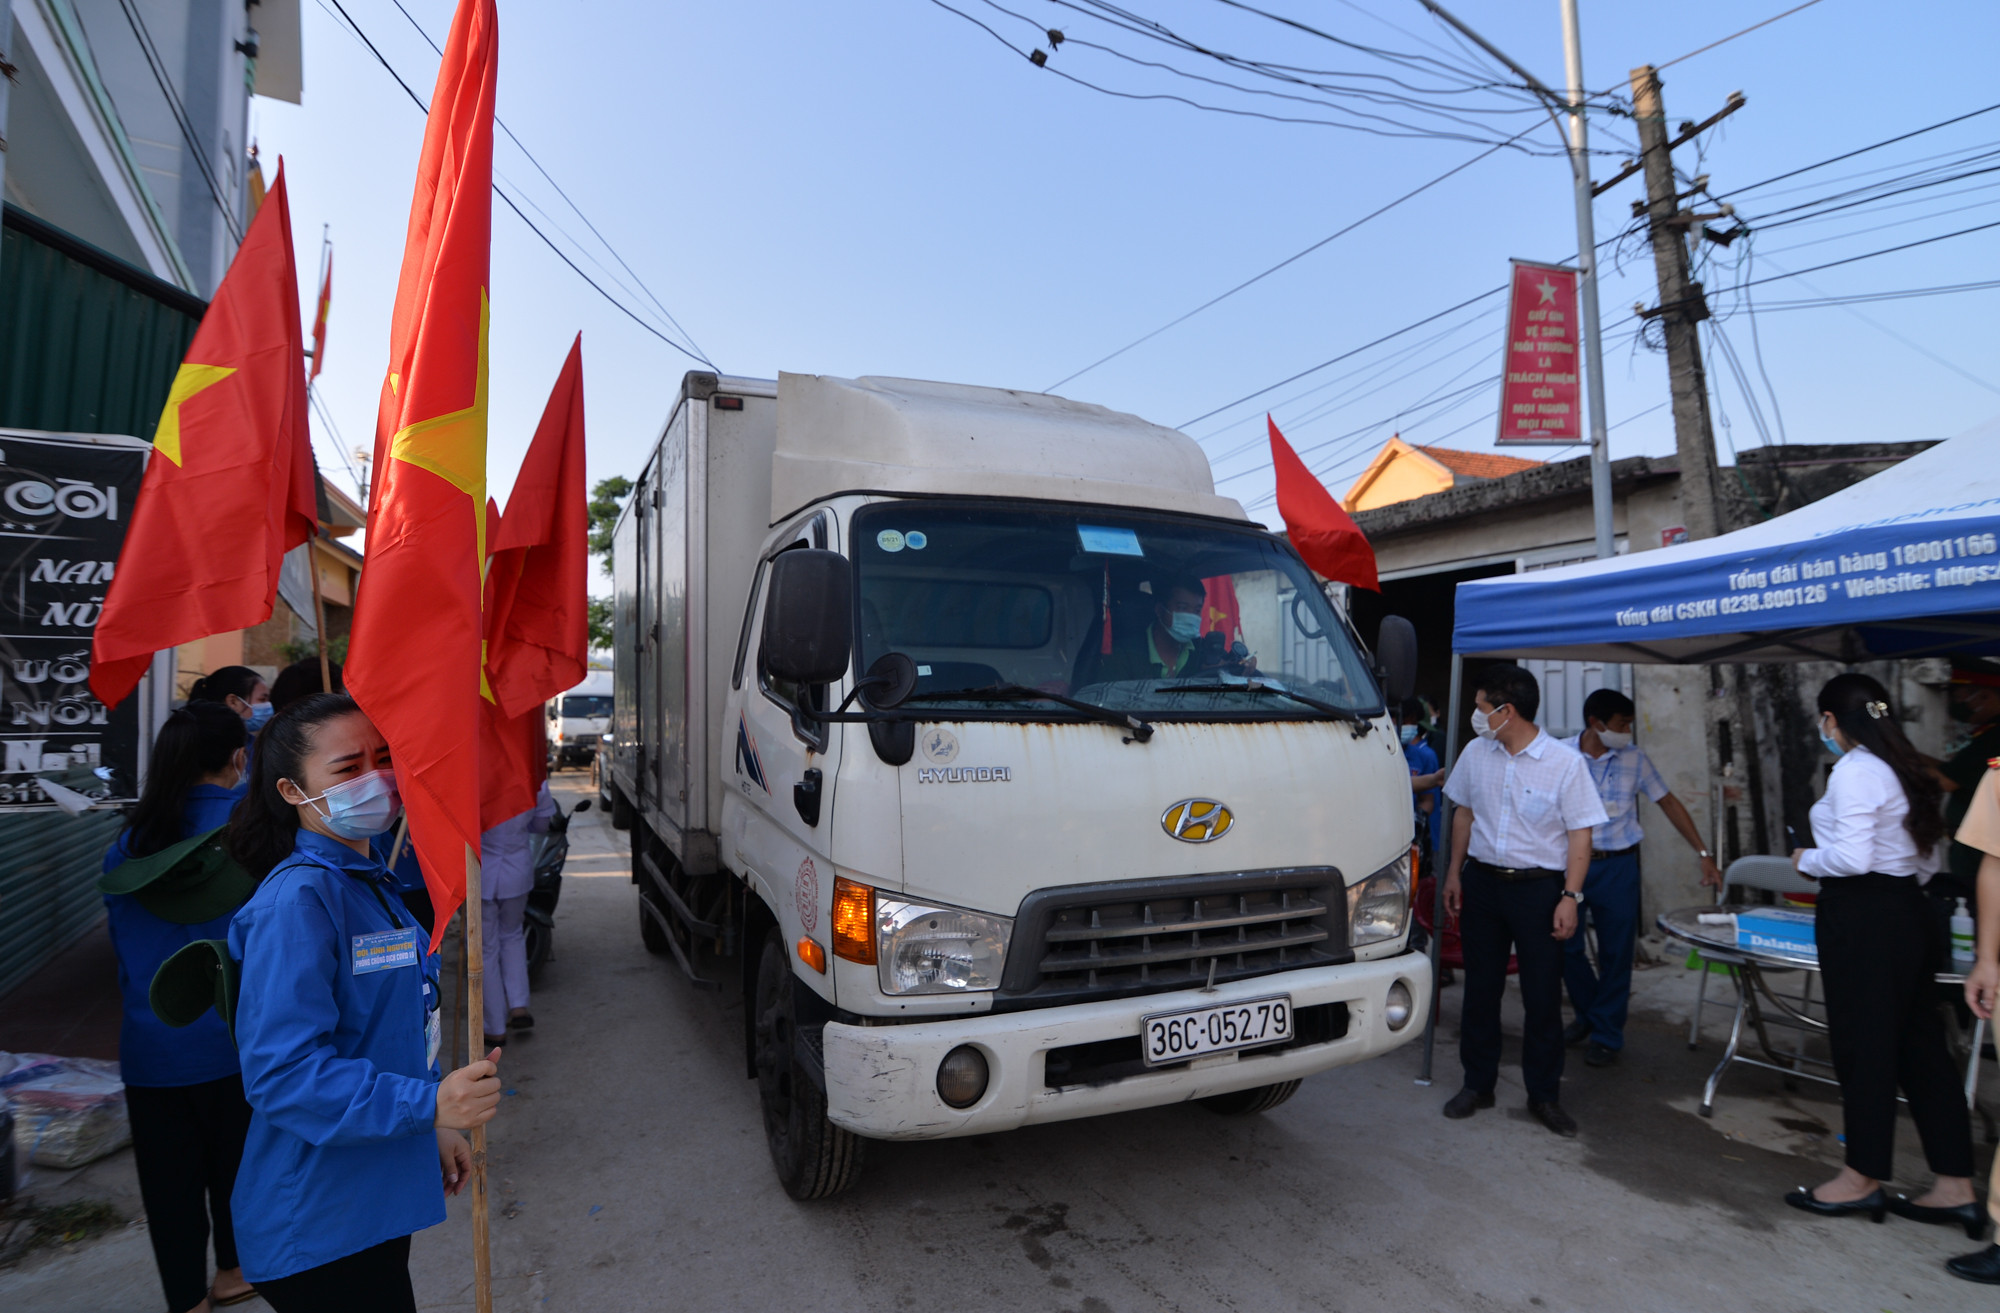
[1499, 916]
[376, 1280]
[186, 1142]
[1877, 957]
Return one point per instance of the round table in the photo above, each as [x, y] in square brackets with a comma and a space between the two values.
[1750, 968]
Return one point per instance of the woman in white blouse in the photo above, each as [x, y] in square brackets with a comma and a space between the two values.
[1880, 828]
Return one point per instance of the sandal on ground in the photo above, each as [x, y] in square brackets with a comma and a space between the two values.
[242, 1296]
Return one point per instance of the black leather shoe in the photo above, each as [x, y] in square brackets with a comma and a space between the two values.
[1873, 1203]
[1599, 1055]
[1983, 1267]
[1466, 1102]
[1552, 1116]
[1576, 1032]
[1970, 1216]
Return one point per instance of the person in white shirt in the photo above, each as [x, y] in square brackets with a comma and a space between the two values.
[1879, 830]
[1520, 847]
[506, 878]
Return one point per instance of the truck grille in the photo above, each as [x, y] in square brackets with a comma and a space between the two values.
[1113, 940]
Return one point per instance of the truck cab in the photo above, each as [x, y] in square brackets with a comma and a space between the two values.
[578, 719]
[1035, 782]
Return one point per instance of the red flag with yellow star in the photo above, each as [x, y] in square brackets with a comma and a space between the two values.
[230, 486]
[414, 659]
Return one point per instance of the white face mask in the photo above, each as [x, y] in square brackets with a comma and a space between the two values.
[1611, 738]
[1482, 724]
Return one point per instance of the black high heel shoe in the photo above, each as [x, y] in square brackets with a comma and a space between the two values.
[1971, 1216]
[1874, 1203]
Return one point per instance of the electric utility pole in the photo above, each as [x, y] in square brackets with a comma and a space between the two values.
[1682, 307]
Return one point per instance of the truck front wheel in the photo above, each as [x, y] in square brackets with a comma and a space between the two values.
[1256, 1099]
[814, 1157]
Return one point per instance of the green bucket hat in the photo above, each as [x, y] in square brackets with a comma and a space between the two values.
[196, 978]
[191, 882]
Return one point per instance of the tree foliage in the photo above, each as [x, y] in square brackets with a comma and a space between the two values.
[600, 624]
[606, 500]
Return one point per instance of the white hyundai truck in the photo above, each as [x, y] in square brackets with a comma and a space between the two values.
[1009, 772]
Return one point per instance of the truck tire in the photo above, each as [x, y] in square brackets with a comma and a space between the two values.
[621, 811]
[815, 1159]
[1256, 1099]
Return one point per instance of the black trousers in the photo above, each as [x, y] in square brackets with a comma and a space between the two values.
[1877, 956]
[376, 1280]
[1501, 916]
[186, 1142]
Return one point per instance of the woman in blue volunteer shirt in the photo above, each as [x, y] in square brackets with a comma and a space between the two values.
[353, 1139]
[182, 1088]
[239, 688]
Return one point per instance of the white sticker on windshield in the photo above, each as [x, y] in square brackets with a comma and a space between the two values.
[889, 540]
[915, 540]
[1109, 542]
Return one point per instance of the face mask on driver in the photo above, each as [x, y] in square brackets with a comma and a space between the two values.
[1185, 626]
[360, 808]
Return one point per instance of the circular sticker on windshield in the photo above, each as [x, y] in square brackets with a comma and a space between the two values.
[889, 540]
[915, 540]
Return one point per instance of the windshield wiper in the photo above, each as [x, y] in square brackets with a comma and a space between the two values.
[1362, 724]
[1141, 731]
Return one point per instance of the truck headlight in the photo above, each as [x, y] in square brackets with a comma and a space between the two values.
[1378, 908]
[925, 949]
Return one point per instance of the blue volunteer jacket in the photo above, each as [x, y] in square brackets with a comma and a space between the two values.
[338, 985]
[150, 1052]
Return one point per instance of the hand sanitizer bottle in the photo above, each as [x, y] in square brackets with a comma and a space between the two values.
[1961, 936]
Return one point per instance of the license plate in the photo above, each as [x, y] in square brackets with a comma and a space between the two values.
[1170, 1037]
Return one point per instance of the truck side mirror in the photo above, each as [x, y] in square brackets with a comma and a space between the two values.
[808, 617]
[1396, 650]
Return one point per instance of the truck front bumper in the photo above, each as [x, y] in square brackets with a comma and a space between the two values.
[881, 1081]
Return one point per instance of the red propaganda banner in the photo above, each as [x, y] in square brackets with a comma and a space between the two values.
[1541, 403]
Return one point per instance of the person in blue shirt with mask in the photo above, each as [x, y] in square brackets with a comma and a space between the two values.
[239, 688]
[354, 1140]
[183, 1091]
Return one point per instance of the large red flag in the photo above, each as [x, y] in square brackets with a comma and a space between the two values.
[230, 487]
[414, 660]
[1322, 532]
[537, 630]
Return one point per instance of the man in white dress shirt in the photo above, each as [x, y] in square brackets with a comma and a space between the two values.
[1520, 849]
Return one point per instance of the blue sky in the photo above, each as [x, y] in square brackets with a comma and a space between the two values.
[878, 187]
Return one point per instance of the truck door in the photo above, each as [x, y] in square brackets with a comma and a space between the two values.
[781, 833]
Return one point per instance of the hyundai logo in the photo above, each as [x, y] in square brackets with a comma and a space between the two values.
[1197, 820]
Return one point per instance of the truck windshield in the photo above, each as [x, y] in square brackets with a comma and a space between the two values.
[1177, 618]
[583, 705]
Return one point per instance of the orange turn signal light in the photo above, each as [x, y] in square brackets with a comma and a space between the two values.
[812, 954]
[853, 921]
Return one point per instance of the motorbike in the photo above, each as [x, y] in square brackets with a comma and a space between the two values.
[548, 852]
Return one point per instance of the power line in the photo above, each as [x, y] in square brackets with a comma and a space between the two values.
[1869, 255]
[1733, 35]
[157, 64]
[1865, 298]
[546, 177]
[532, 227]
[1848, 155]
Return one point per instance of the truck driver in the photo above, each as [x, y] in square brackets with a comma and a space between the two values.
[1172, 644]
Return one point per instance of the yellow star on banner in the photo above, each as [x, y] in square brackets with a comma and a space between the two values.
[453, 447]
[190, 379]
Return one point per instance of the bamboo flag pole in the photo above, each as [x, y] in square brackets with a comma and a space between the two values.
[475, 990]
[319, 614]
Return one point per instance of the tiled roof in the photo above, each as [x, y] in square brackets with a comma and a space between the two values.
[1478, 464]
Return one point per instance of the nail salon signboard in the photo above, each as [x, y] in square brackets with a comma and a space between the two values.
[65, 503]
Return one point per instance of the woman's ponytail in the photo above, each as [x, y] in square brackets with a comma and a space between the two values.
[1860, 706]
[195, 741]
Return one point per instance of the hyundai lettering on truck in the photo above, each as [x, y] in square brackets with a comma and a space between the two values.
[1010, 773]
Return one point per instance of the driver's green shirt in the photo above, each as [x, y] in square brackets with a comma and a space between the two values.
[1126, 662]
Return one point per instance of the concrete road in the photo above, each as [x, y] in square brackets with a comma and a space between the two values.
[629, 1172]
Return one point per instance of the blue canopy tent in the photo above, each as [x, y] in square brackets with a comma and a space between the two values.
[1903, 564]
